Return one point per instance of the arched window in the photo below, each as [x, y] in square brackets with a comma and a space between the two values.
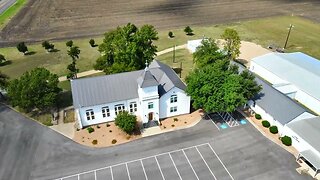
[173, 98]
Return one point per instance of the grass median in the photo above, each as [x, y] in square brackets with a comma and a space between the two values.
[10, 12]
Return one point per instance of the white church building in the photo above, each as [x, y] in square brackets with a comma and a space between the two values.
[152, 94]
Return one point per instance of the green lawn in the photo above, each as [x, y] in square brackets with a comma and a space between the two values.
[304, 37]
[10, 12]
[56, 62]
[181, 56]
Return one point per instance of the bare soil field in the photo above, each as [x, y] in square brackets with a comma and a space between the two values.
[61, 19]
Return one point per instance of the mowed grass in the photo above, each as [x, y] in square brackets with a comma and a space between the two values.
[56, 62]
[304, 37]
[181, 56]
[10, 12]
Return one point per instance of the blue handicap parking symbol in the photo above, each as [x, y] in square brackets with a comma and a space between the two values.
[223, 126]
[243, 121]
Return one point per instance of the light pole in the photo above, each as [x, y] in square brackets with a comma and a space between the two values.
[285, 44]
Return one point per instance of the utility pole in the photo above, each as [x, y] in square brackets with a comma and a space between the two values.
[180, 68]
[174, 54]
[285, 44]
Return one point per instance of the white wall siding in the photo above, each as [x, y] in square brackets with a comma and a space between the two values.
[98, 112]
[308, 101]
[265, 74]
[266, 116]
[183, 103]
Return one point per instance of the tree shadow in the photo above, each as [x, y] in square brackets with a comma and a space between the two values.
[190, 34]
[54, 50]
[30, 53]
[65, 99]
[6, 63]
[177, 70]
[95, 45]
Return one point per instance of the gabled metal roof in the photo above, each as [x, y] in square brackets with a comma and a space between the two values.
[123, 86]
[308, 130]
[297, 68]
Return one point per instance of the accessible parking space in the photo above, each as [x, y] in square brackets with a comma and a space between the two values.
[191, 163]
[224, 120]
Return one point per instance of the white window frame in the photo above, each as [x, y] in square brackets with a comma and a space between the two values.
[133, 107]
[173, 98]
[90, 114]
[105, 111]
[173, 109]
[150, 105]
[119, 108]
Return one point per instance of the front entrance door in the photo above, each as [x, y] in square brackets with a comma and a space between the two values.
[150, 116]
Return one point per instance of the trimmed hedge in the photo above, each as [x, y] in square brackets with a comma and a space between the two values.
[257, 116]
[265, 123]
[273, 129]
[286, 140]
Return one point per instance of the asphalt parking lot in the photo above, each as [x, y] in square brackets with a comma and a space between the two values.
[195, 162]
[31, 151]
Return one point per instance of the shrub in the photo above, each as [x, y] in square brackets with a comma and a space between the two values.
[175, 119]
[126, 122]
[172, 125]
[48, 46]
[170, 34]
[286, 140]
[98, 126]
[90, 129]
[114, 141]
[94, 142]
[69, 43]
[188, 30]
[108, 125]
[273, 129]
[110, 131]
[185, 122]
[265, 124]
[128, 137]
[257, 116]
[92, 42]
[22, 48]
[2, 59]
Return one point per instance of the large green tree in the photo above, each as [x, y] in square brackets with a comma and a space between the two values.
[232, 43]
[218, 87]
[127, 48]
[207, 53]
[35, 89]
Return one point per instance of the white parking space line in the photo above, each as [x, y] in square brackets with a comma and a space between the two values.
[159, 167]
[111, 173]
[144, 171]
[128, 171]
[95, 174]
[206, 164]
[190, 164]
[153, 156]
[213, 122]
[175, 166]
[220, 161]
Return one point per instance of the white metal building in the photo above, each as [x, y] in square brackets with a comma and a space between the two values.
[295, 74]
[152, 94]
[305, 136]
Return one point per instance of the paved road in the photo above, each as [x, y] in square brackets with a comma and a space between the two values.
[31, 151]
[5, 4]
